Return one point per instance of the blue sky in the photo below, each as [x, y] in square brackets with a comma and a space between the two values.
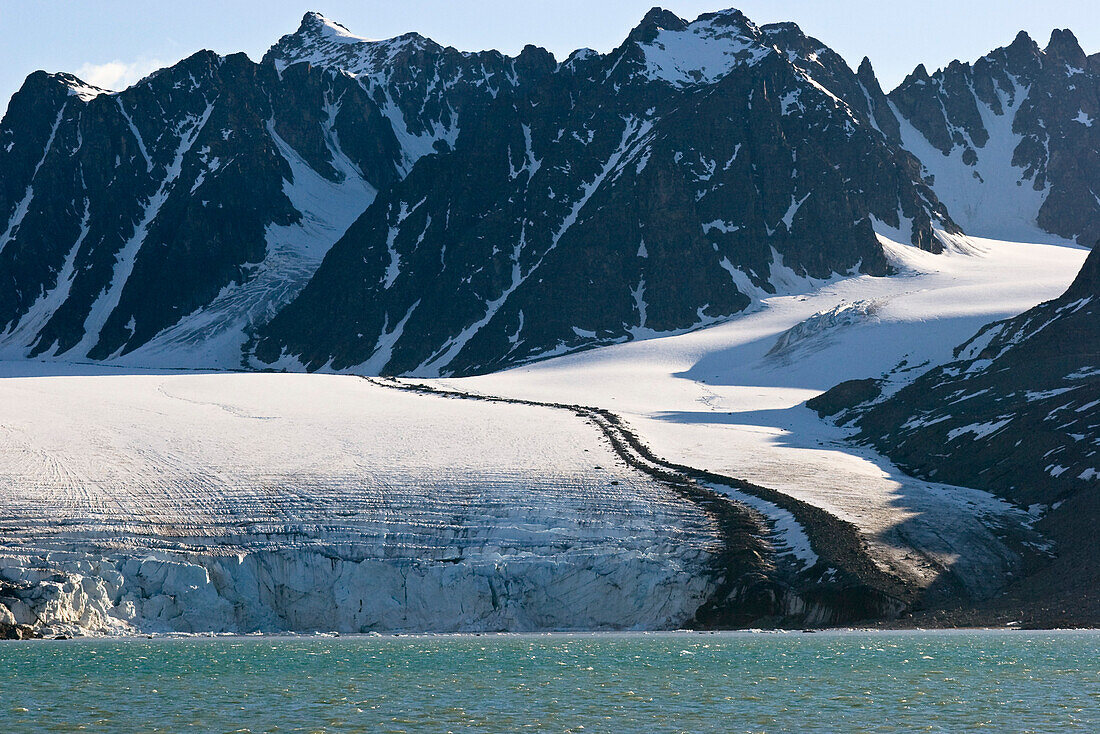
[114, 42]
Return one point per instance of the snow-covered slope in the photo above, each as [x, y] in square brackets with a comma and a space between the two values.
[730, 398]
[241, 502]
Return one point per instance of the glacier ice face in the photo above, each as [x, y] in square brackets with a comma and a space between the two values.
[238, 503]
[305, 590]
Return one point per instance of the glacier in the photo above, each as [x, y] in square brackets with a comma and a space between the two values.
[160, 502]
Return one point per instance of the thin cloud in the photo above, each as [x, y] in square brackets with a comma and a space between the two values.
[116, 75]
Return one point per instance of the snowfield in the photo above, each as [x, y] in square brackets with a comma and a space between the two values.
[729, 398]
[239, 502]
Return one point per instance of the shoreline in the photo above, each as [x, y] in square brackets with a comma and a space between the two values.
[578, 634]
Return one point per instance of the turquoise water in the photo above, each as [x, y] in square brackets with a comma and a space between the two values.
[678, 682]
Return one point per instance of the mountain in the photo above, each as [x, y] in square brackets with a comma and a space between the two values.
[660, 187]
[400, 207]
[161, 223]
[656, 188]
[1009, 142]
[178, 211]
[1017, 413]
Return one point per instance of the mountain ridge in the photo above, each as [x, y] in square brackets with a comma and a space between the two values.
[648, 76]
[163, 275]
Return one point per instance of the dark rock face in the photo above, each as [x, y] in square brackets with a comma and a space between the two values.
[845, 396]
[17, 632]
[657, 188]
[527, 208]
[1018, 413]
[1010, 141]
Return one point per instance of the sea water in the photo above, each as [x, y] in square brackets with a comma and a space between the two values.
[1007, 681]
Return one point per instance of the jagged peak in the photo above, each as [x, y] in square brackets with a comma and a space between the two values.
[667, 48]
[1022, 49]
[728, 17]
[324, 42]
[919, 75]
[655, 21]
[316, 23]
[1022, 53]
[866, 76]
[582, 54]
[580, 57]
[664, 19]
[40, 83]
[535, 59]
[792, 40]
[785, 26]
[1022, 40]
[1064, 46]
[659, 19]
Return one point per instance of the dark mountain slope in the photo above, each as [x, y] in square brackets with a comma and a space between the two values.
[524, 207]
[149, 204]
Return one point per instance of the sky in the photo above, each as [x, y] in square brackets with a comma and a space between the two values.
[113, 43]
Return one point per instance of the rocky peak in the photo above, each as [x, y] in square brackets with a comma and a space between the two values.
[324, 42]
[1022, 52]
[803, 51]
[866, 71]
[878, 105]
[44, 85]
[919, 75]
[78, 87]
[1023, 42]
[656, 20]
[865, 75]
[731, 18]
[667, 48]
[314, 22]
[1064, 47]
[535, 61]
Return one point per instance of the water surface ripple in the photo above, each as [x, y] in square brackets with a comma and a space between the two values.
[676, 682]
